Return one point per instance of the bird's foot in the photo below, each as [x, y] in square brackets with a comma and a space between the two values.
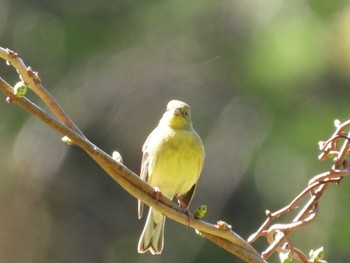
[157, 193]
[184, 206]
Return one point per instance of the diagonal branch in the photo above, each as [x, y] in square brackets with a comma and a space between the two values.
[225, 238]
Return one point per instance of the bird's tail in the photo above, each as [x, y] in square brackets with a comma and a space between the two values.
[152, 237]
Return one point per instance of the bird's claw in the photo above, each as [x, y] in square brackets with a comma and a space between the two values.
[184, 206]
[157, 193]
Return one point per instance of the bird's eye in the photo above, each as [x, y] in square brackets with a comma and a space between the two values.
[186, 113]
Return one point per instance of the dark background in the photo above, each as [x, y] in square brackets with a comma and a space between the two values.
[265, 81]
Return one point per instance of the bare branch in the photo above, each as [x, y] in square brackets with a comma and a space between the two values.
[278, 234]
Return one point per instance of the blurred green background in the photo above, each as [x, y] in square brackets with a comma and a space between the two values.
[265, 80]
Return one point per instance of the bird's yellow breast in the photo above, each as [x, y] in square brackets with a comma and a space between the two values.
[176, 162]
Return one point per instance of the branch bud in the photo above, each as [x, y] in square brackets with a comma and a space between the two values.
[20, 89]
[285, 257]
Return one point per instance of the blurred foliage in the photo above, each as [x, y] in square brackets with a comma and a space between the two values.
[265, 80]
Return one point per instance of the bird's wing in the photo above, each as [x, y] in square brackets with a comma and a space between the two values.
[144, 170]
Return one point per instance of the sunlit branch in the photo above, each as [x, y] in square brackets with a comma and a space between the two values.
[224, 238]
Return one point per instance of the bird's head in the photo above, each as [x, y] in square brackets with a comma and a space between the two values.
[177, 115]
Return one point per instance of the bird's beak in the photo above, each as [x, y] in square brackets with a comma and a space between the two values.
[177, 112]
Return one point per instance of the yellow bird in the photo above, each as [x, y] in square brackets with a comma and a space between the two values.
[172, 161]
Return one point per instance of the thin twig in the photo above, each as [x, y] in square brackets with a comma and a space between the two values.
[32, 80]
[278, 234]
